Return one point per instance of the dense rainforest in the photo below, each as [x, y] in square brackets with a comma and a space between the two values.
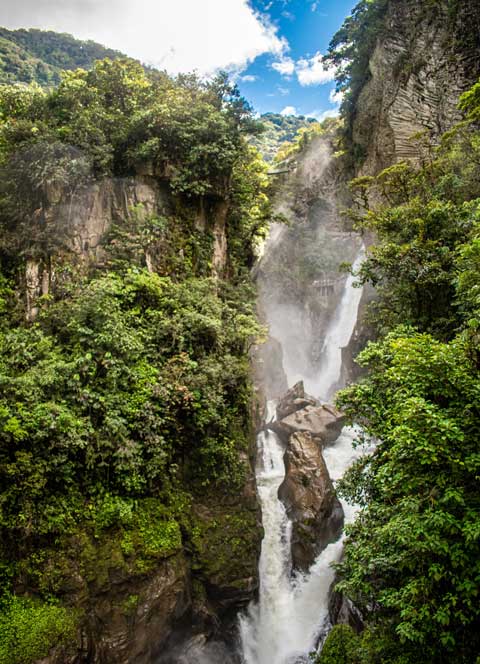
[412, 557]
[40, 56]
[277, 130]
[125, 391]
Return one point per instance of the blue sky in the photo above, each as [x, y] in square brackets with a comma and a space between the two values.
[308, 27]
[271, 47]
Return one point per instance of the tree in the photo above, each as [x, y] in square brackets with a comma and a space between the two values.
[412, 556]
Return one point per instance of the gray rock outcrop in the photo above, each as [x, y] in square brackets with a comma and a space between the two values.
[309, 497]
[425, 58]
[295, 399]
[323, 423]
[342, 611]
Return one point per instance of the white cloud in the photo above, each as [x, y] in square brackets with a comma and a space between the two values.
[312, 72]
[320, 116]
[285, 66]
[248, 78]
[289, 110]
[309, 71]
[336, 97]
[178, 35]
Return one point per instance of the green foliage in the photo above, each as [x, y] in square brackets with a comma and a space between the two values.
[119, 116]
[129, 396]
[150, 534]
[412, 556]
[305, 138]
[277, 130]
[224, 551]
[29, 629]
[117, 386]
[28, 56]
[351, 48]
[251, 211]
[426, 229]
[340, 646]
[470, 103]
[132, 385]
[414, 550]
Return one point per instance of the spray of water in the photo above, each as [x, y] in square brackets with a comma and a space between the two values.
[292, 610]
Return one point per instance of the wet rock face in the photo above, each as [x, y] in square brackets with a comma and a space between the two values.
[298, 412]
[268, 374]
[198, 651]
[125, 634]
[309, 497]
[342, 611]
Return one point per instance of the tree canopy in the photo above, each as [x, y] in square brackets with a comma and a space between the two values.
[412, 557]
[130, 394]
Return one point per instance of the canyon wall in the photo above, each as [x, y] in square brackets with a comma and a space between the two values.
[80, 220]
[427, 54]
[132, 612]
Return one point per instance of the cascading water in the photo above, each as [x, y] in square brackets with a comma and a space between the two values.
[292, 612]
[338, 335]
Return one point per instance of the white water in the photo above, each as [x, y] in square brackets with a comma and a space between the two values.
[292, 611]
[337, 337]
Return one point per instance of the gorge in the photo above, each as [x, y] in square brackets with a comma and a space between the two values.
[239, 400]
[293, 610]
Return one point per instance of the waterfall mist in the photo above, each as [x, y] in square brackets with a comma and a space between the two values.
[292, 612]
[311, 310]
[310, 307]
[299, 280]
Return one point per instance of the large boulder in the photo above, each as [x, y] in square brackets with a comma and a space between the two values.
[310, 500]
[322, 422]
[295, 399]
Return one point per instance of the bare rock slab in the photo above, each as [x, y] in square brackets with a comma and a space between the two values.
[294, 400]
[322, 422]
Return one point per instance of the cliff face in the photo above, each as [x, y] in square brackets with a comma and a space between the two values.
[81, 219]
[137, 612]
[132, 613]
[427, 55]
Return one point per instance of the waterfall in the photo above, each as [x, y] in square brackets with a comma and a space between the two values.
[338, 335]
[292, 612]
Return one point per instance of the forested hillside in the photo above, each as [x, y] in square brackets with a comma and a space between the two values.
[277, 130]
[28, 56]
[125, 401]
[412, 557]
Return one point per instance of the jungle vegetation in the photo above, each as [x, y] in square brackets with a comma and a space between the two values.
[412, 557]
[39, 56]
[129, 394]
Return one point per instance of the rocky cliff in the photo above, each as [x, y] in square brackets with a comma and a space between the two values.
[426, 55]
[81, 219]
[135, 610]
